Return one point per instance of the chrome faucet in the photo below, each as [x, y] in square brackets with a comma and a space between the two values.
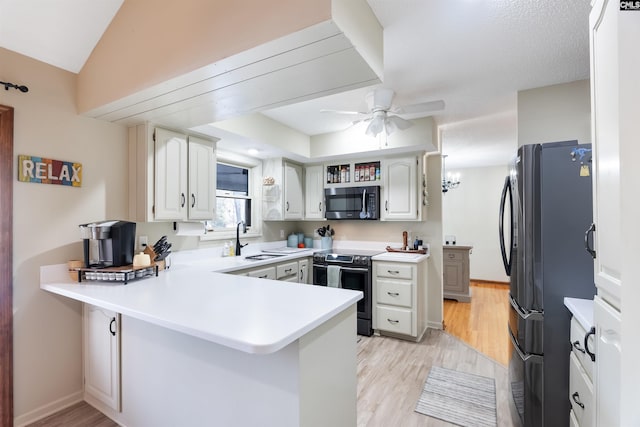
[244, 230]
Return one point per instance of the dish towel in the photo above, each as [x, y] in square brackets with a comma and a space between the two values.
[333, 276]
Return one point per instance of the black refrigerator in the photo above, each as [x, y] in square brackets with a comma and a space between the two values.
[545, 218]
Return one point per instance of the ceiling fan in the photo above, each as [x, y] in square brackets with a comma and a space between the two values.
[383, 115]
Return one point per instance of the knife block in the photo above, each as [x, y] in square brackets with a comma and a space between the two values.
[152, 254]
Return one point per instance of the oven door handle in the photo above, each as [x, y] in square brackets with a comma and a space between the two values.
[357, 270]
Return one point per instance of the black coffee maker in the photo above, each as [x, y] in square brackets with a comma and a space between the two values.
[108, 243]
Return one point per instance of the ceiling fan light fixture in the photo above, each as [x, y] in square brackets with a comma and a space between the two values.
[375, 126]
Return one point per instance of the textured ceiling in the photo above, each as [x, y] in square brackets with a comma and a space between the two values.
[473, 54]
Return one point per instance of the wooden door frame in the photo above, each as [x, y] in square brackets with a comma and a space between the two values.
[6, 266]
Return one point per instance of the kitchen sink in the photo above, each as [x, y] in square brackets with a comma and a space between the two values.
[261, 257]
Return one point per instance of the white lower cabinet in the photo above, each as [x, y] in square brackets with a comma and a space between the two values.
[101, 356]
[581, 367]
[399, 290]
[287, 272]
[303, 268]
[608, 372]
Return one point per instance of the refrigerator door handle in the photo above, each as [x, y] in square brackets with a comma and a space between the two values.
[503, 249]
[526, 315]
[523, 356]
[589, 232]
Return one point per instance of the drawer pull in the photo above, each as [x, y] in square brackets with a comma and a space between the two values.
[288, 270]
[578, 347]
[451, 256]
[393, 294]
[393, 272]
[262, 277]
[393, 322]
[576, 398]
[592, 331]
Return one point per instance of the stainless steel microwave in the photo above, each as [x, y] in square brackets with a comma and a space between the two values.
[352, 203]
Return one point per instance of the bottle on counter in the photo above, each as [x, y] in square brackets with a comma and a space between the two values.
[232, 249]
[225, 249]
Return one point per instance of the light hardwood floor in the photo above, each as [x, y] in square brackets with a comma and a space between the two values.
[482, 323]
[392, 372]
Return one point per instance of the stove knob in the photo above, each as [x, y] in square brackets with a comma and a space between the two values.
[359, 260]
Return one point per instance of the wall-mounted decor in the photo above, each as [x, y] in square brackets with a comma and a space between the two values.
[49, 171]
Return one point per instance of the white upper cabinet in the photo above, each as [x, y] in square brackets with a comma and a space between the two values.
[400, 189]
[605, 87]
[283, 199]
[202, 178]
[293, 195]
[172, 175]
[314, 192]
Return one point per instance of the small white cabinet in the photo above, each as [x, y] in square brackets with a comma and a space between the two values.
[303, 268]
[400, 189]
[581, 395]
[172, 175]
[608, 363]
[101, 356]
[314, 192]
[455, 265]
[263, 273]
[284, 199]
[399, 290]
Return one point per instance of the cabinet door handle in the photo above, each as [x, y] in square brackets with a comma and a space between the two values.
[578, 347]
[386, 205]
[112, 324]
[589, 232]
[287, 207]
[393, 322]
[193, 200]
[576, 398]
[183, 200]
[393, 272]
[320, 206]
[592, 331]
[393, 294]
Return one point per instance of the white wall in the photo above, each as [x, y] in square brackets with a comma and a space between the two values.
[555, 113]
[47, 328]
[470, 212]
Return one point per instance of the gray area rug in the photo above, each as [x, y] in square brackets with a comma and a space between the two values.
[459, 398]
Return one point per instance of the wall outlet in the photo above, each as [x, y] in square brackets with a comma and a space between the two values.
[143, 241]
[282, 234]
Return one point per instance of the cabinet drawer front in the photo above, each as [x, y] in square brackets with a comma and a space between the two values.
[398, 271]
[396, 320]
[263, 273]
[577, 347]
[394, 292]
[287, 269]
[452, 255]
[580, 394]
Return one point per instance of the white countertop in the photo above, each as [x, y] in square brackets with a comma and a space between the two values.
[582, 310]
[247, 314]
[401, 257]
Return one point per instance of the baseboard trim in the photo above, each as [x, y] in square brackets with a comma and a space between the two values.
[436, 325]
[490, 281]
[48, 409]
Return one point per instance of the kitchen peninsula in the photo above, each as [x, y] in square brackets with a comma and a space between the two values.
[199, 347]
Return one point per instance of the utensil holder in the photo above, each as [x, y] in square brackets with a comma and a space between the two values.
[326, 242]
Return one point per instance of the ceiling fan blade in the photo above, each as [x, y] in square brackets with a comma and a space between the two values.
[382, 99]
[422, 107]
[344, 112]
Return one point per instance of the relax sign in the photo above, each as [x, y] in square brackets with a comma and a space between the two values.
[48, 171]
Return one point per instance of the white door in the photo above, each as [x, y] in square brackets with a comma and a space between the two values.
[101, 341]
[606, 145]
[202, 179]
[293, 197]
[608, 363]
[303, 266]
[170, 175]
[314, 192]
[400, 189]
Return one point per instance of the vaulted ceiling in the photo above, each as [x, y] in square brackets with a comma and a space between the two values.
[475, 55]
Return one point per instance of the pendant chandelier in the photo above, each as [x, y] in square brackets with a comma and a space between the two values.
[449, 180]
